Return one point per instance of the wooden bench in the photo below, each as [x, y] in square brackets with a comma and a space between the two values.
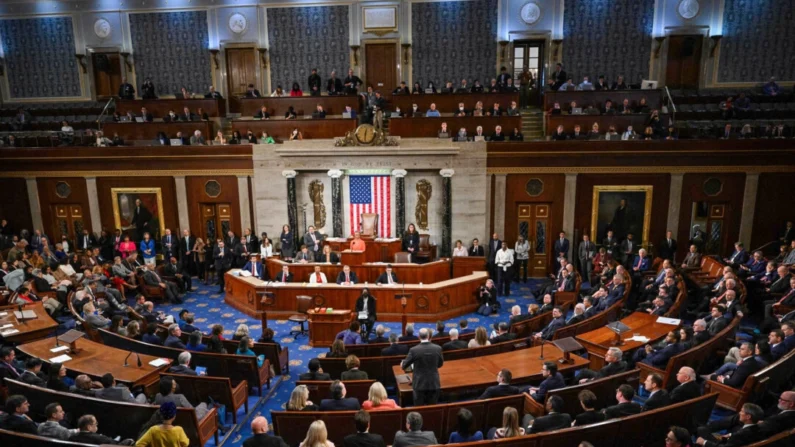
[681, 297]
[441, 419]
[280, 360]
[116, 418]
[236, 367]
[374, 349]
[320, 389]
[783, 439]
[693, 357]
[526, 328]
[589, 324]
[604, 388]
[14, 439]
[199, 388]
[90, 332]
[756, 386]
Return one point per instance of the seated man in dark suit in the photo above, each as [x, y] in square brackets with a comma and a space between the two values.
[261, 438]
[394, 347]
[454, 342]
[16, 418]
[183, 366]
[552, 381]
[503, 386]
[614, 364]
[414, 434]
[338, 401]
[784, 419]
[554, 419]
[516, 316]
[440, 332]
[745, 429]
[32, 374]
[256, 268]
[659, 358]
[284, 275]
[557, 322]
[315, 372]
[625, 407]
[347, 277]
[658, 397]
[173, 340]
[380, 330]
[388, 277]
[409, 335]
[502, 334]
[8, 369]
[362, 437]
[746, 367]
[688, 388]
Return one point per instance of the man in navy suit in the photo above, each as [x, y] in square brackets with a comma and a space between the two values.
[557, 322]
[615, 291]
[503, 386]
[640, 263]
[738, 257]
[394, 347]
[552, 381]
[284, 275]
[753, 267]
[338, 401]
[747, 366]
[255, 268]
[388, 277]
[169, 244]
[561, 249]
[347, 277]
[659, 358]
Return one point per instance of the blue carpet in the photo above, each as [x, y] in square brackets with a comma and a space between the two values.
[208, 306]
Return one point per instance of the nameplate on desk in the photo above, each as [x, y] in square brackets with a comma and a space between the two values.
[244, 273]
[6, 326]
[673, 321]
[60, 359]
[159, 362]
[59, 349]
[3, 314]
[25, 315]
[9, 332]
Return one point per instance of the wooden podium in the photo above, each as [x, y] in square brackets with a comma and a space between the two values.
[324, 326]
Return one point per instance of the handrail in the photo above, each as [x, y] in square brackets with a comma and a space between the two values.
[763, 247]
[672, 119]
[112, 100]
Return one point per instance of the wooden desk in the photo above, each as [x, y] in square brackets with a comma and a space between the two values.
[160, 107]
[368, 272]
[96, 359]
[466, 265]
[148, 131]
[479, 372]
[303, 105]
[653, 98]
[324, 327]
[280, 129]
[637, 121]
[449, 103]
[429, 302]
[42, 326]
[429, 127]
[598, 341]
[376, 250]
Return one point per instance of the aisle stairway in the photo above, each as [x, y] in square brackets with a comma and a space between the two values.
[532, 124]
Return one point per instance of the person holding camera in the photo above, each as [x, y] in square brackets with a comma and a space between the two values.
[487, 298]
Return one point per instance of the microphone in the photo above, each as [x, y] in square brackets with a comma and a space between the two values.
[139, 359]
[542, 349]
[125, 358]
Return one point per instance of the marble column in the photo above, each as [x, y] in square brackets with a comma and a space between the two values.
[292, 204]
[245, 203]
[182, 203]
[93, 204]
[674, 203]
[500, 185]
[569, 203]
[447, 212]
[400, 200]
[749, 205]
[35, 204]
[336, 202]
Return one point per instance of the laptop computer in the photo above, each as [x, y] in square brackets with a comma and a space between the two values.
[124, 119]
[176, 142]
[346, 115]
[244, 141]
[479, 138]
[139, 119]
[394, 115]
[576, 111]
[428, 91]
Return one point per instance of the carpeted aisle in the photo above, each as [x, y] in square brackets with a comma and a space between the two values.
[208, 306]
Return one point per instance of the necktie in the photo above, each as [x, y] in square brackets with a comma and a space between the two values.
[253, 270]
[284, 277]
[786, 296]
[640, 260]
[389, 277]
[12, 369]
[347, 278]
[317, 277]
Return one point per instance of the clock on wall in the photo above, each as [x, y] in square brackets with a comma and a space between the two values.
[102, 28]
[238, 23]
[688, 8]
[365, 134]
[530, 13]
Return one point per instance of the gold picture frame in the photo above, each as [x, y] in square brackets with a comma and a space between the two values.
[387, 14]
[123, 197]
[631, 193]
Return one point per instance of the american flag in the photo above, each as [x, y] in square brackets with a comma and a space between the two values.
[371, 194]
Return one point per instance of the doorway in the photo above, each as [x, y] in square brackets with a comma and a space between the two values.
[68, 221]
[107, 74]
[530, 54]
[381, 66]
[683, 66]
[533, 224]
[216, 220]
[241, 70]
[708, 227]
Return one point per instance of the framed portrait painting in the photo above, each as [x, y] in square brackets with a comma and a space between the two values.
[622, 209]
[137, 211]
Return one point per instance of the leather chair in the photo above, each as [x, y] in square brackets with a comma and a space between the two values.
[368, 223]
[402, 257]
[303, 304]
[424, 251]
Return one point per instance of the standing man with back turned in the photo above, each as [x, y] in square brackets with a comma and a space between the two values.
[426, 359]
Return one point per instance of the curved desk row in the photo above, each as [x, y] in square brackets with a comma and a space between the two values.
[428, 302]
[366, 272]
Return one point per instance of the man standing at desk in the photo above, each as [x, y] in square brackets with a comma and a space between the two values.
[388, 277]
[426, 359]
[223, 262]
[313, 239]
[357, 244]
[366, 313]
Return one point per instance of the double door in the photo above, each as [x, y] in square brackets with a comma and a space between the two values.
[216, 221]
[533, 225]
[69, 221]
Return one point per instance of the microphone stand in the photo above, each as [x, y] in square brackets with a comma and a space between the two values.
[541, 357]
[125, 358]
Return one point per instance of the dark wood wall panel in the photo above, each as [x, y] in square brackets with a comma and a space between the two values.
[730, 195]
[773, 207]
[14, 204]
[167, 189]
[196, 195]
[661, 184]
[516, 194]
[48, 198]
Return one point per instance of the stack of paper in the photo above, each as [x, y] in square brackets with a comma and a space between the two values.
[673, 321]
[159, 362]
[8, 332]
[60, 359]
[639, 338]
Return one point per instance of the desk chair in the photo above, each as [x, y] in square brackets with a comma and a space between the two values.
[402, 257]
[424, 251]
[303, 304]
[368, 224]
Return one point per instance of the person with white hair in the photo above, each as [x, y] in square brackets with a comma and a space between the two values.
[688, 388]
[183, 365]
[197, 139]
[425, 359]
[260, 436]
[579, 314]
[454, 342]
[614, 364]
